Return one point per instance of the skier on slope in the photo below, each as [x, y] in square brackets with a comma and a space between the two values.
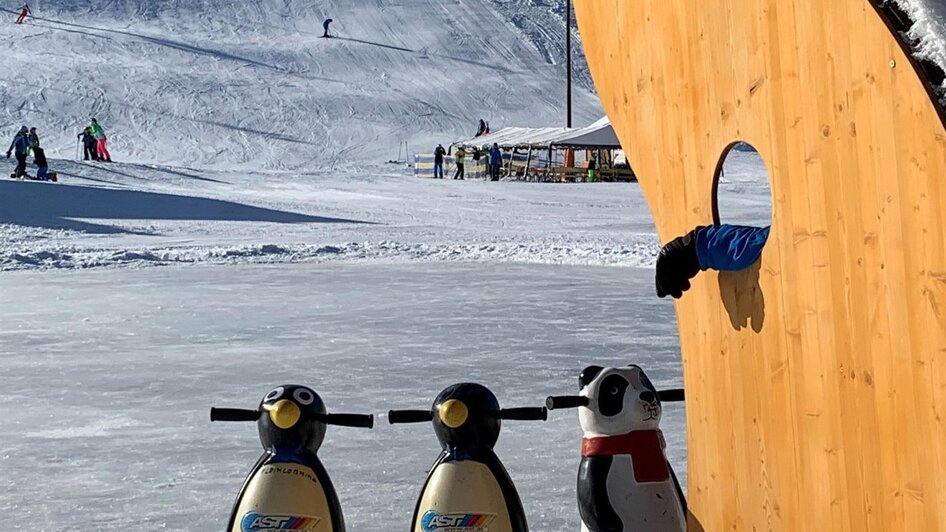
[20, 146]
[325, 27]
[33, 140]
[101, 141]
[88, 143]
[24, 11]
[713, 247]
[39, 157]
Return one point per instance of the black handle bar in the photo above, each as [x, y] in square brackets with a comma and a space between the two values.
[555, 402]
[233, 414]
[673, 395]
[365, 421]
[409, 416]
[528, 413]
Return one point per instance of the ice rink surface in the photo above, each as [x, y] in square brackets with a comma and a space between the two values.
[113, 372]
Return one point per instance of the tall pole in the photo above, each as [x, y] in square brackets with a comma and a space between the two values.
[568, 59]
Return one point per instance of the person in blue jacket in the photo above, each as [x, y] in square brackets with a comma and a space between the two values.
[325, 26]
[20, 146]
[707, 247]
[495, 162]
[439, 153]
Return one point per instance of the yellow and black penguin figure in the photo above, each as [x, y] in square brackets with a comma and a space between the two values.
[467, 489]
[288, 488]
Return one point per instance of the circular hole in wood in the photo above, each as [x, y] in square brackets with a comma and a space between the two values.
[742, 194]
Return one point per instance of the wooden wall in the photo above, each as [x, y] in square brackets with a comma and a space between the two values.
[816, 381]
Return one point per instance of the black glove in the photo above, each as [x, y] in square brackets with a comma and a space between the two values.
[677, 264]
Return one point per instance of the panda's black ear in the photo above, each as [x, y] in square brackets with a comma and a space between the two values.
[587, 375]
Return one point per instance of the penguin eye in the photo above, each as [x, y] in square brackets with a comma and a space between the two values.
[305, 397]
[275, 394]
[614, 390]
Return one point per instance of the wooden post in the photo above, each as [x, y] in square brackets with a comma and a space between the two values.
[525, 174]
[548, 165]
[568, 61]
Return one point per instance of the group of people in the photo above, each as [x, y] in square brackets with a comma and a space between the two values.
[26, 142]
[95, 143]
[493, 155]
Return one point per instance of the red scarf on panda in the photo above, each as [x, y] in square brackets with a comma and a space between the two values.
[646, 448]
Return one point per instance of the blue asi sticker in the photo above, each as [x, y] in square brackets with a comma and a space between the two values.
[257, 522]
[456, 522]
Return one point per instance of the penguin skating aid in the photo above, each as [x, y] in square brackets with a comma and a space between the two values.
[625, 482]
[288, 488]
[467, 489]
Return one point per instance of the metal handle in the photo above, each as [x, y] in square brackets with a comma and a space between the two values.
[233, 414]
[409, 416]
[529, 413]
[555, 402]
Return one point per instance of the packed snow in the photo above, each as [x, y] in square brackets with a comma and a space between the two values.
[252, 235]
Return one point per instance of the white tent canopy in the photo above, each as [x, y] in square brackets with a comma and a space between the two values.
[599, 135]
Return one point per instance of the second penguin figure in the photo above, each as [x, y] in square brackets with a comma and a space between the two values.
[468, 487]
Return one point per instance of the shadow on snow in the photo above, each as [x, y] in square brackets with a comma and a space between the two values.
[56, 206]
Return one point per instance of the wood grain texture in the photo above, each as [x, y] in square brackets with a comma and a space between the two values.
[816, 380]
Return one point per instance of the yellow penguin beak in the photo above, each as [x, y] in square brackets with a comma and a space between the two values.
[453, 413]
[285, 414]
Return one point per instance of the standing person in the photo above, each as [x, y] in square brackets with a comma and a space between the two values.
[101, 141]
[33, 140]
[439, 152]
[592, 167]
[495, 162]
[88, 143]
[461, 155]
[476, 157]
[325, 27]
[24, 11]
[20, 146]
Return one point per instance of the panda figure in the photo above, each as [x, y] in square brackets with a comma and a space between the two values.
[625, 482]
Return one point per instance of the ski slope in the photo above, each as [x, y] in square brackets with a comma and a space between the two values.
[251, 85]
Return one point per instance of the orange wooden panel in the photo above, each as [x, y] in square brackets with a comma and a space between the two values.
[816, 380]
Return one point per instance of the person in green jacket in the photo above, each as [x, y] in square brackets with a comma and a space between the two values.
[592, 167]
[101, 141]
[460, 156]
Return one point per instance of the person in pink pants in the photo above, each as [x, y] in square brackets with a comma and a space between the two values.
[101, 141]
[24, 11]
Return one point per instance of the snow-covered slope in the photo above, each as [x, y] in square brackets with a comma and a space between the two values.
[250, 85]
